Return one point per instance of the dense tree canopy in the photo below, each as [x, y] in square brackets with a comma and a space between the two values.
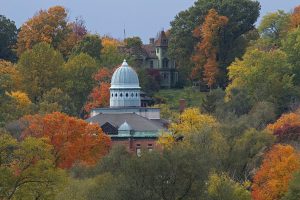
[256, 73]
[91, 45]
[27, 169]
[206, 52]
[242, 15]
[271, 180]
[79, 82]
[73, 140]
[41, 69]
[8, 38]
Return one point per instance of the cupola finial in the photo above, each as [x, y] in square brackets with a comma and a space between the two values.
[124, 63]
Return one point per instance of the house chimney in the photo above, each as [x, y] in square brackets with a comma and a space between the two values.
[182, 105]
[151, 40]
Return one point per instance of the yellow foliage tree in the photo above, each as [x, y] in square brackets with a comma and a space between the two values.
[191, 121]
[9, 76]
[21, 99]
[110, 54]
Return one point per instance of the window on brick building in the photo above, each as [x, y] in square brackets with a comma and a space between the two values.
[138, 151]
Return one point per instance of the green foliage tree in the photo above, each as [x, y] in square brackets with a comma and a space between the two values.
[55, 100]
[27, 169]
[149, 80]
[41, 70]
[263, 76]
[91, 45]
[274, 26]
[221, 187]
[133, 42]
[291, 46]
[177, 173]
[293, 192]
[8, 38]
[244, 152]
[79, 82]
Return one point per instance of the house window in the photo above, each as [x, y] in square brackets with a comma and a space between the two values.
[157, 50]
[151, 64]
[165, 63]
[165, 75]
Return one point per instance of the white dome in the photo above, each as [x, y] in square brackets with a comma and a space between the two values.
[125, 77]
[125, 127]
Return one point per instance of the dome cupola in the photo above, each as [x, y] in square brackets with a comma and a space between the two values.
[125, 77]
[125, 87]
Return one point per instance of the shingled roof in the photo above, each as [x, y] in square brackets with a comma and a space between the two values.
[137, 122]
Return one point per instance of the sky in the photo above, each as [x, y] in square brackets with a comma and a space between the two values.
[143, 18]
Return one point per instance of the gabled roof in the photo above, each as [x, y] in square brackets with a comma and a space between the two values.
[137, 122]
[150, 50]
[162, 40]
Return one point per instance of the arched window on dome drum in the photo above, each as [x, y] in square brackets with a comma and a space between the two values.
[121, 95]
[126, 94]
[116, 94]
[112, 95]
[132, 94]
[136, 94]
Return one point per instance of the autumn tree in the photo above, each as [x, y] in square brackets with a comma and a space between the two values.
[8, 38]
[79, 81]
[99, 97]
[295, 18]
[242, 15]
[207, 49]
[48, 26]
[14, 103]
[51, 26]
[272, 179]
[27, 169]
[74, 140]
[110, 53]
[287, 127]
[41, 70]
[191, 121]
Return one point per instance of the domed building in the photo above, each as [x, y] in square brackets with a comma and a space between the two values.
[125, 121]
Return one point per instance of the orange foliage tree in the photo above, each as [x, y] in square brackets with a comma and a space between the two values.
[295, 17]
[205, 57]
[50, 26]
[74, 140]
[287, 127]
[99, 96]
[272, 179]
